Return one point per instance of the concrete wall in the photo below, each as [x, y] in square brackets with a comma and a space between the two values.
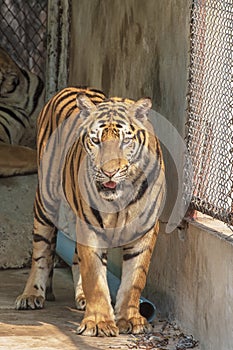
[16, 220]
[133, 48]
[191, 280]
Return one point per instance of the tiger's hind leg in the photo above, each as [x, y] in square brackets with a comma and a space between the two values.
[39, 283]
[136, 260]
[80, 299]
[17, 160]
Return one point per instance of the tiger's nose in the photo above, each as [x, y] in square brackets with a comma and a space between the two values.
[110, 173]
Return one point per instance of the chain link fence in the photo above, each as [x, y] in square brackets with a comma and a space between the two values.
[210, 107]
[23, 33]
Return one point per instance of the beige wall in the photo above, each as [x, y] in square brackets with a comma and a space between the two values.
[133, 48]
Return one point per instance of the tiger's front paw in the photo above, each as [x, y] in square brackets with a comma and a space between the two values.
[98, 329]
[27, 302]
[134, 325]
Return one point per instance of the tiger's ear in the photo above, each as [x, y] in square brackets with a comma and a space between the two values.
[84, 102]
[141, 108]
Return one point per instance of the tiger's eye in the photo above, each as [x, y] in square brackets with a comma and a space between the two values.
[95, 140]
[127, 140]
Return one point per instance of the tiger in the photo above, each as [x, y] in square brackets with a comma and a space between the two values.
[21, 98]
[114, 157]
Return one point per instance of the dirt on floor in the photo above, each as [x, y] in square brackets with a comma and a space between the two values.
[54, 327]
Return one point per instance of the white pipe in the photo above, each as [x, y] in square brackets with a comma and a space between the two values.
[147, 308]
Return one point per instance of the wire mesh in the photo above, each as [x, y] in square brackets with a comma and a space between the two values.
[210, 107]
[23, 32]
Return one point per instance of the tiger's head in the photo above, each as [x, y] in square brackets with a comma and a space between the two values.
[9, 74]
[113, 135]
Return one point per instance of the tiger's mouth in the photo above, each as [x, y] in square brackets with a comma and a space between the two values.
[115, 189]
[109, 190]
[109, 185]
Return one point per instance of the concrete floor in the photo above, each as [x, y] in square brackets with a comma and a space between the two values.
[54, 327]
[51, 328]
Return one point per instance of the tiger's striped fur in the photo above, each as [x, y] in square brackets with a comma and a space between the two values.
[21, 98]
[115, 144]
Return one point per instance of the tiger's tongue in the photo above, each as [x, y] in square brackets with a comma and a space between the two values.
[110, 184]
